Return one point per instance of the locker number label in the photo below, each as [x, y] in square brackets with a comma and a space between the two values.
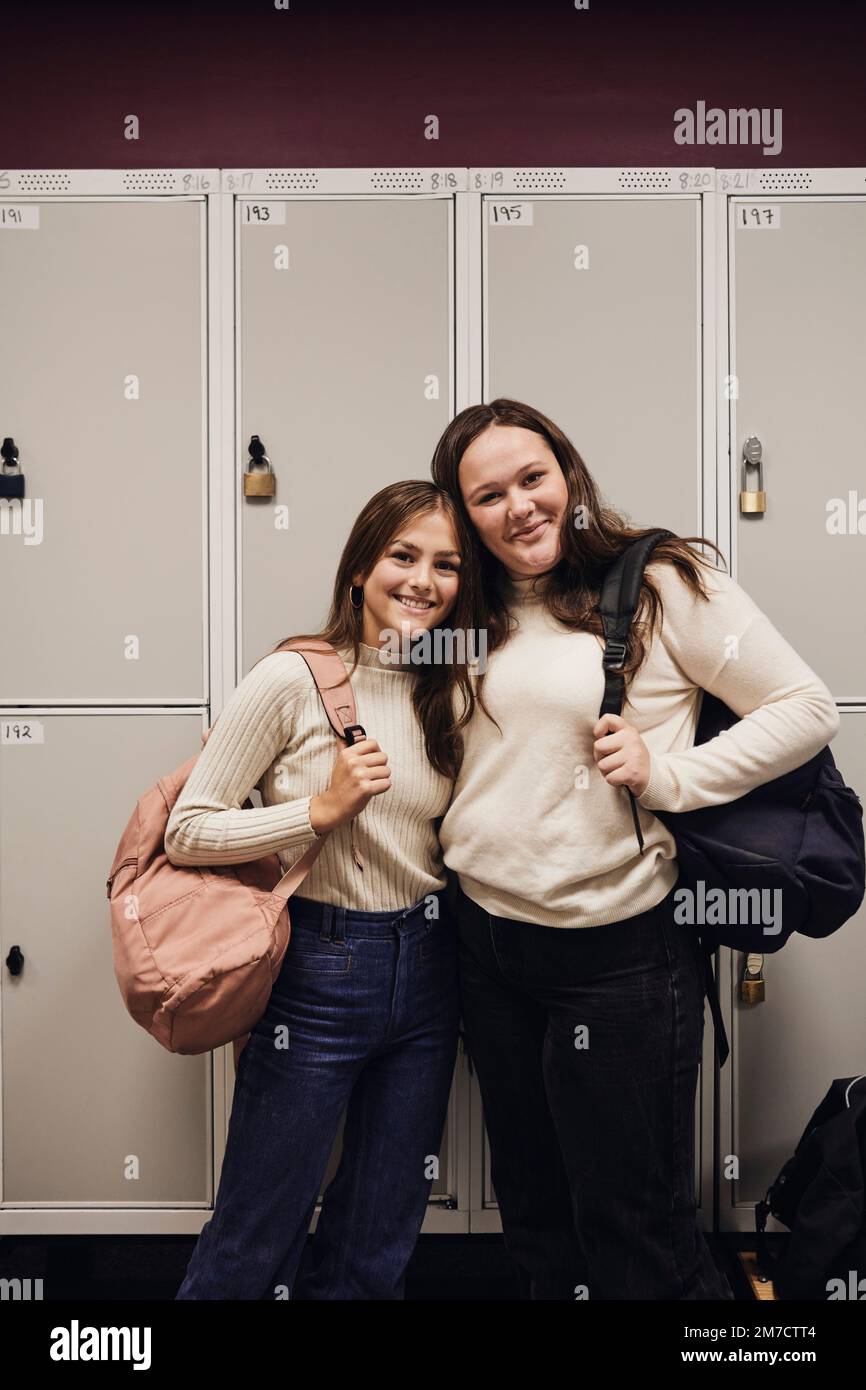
[511, 214]
[18, 215]
[759, 216]
[21, 731]
[263, 214]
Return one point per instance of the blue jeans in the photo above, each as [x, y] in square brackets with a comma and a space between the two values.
[368, 1004]
[586, 1043]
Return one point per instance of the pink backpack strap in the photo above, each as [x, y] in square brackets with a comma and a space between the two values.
[335, 689]
[329, 672]
[332, 680]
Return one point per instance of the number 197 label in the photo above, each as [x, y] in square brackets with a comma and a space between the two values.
[759, 216]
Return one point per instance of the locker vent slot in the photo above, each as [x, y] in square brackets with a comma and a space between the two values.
[645, 180]
[787, 181]
[44, 183]
[386, 181]
[537, 180]
[292, 181]
[144, 181]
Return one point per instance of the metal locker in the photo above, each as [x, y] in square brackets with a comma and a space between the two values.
[95, 1113]
[346, 361]
[102, 391]
[606, 341]
[102, 394]
[346, 370]
[797, 300]
[798, 305]
[809, 1029]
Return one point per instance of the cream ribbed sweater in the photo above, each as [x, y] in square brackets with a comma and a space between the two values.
[274, 734]
[535, 832]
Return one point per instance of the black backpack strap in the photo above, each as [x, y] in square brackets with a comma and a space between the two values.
[764, 1258]
[720, 1037]
[617, 604]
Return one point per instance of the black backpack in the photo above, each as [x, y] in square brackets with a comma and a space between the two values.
[801, 833]
[819, 1196]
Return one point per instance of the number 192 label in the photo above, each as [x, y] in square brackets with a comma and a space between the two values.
[21, 731]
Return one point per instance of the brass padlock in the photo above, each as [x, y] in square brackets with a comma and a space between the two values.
[753, 501]
[752, 983]
[259, 482]
[752, 991]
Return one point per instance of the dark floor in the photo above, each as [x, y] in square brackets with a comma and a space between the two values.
[143, 1268]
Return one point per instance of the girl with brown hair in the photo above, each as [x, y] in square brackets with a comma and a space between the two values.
[365, 1008]
[582, 993]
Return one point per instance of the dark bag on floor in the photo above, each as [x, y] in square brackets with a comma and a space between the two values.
[801, 833]
[819, 1196]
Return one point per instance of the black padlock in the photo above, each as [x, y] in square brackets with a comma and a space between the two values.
[11, 484]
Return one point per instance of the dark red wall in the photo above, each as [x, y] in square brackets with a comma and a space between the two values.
[330, 83]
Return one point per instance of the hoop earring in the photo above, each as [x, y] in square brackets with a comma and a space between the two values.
[352, 588]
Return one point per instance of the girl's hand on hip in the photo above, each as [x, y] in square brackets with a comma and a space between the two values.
[621, 754]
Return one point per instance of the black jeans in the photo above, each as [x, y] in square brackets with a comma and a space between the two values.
[587, 1042]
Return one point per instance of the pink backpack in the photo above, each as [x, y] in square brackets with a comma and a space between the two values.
[197, 949]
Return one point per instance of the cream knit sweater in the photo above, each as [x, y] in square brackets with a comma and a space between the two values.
[274, 734]
[535, 832]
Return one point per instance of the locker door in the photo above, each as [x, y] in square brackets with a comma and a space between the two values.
[95, 1112]
[610, 352]
[346, 364]
[101, 388]
[799, 362]
[810, 1029]
[797, 304]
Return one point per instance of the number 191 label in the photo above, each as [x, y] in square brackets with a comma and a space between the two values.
[20, 215]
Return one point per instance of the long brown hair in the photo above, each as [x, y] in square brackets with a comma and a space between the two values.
[570, 590]
[376, 526]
